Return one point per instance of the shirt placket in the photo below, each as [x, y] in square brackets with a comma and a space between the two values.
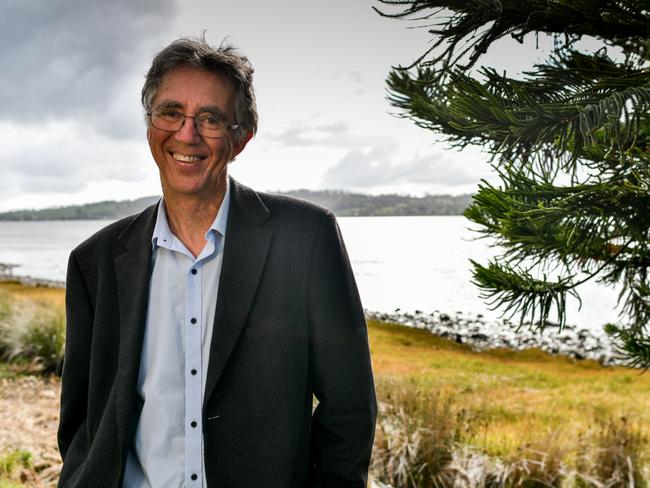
[193, 374]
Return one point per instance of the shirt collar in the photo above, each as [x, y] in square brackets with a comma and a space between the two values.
[162, 234]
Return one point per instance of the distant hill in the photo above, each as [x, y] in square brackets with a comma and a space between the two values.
[346, 204]
[342, 203]
[109, 209]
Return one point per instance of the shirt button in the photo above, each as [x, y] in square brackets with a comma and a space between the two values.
[193, 424]
[194, 476]
[193, 372]
[194, 271]
[193, 320]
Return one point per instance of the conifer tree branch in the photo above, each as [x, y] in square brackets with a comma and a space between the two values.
[569, 141]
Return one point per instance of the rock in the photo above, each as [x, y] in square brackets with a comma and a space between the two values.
[481, 334]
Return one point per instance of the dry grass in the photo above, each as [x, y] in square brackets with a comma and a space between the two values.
[19, 291]
[514, 399]
[517, 418]
[421, 442]
[415, 436]
[449, 416]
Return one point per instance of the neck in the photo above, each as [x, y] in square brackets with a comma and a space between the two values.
[190, 217]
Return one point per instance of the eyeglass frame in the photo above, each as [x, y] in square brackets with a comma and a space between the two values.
[194, 117]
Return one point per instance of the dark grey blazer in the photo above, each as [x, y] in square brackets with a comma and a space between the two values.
[288, 326]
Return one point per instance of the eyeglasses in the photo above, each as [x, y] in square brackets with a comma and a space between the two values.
[207, 124]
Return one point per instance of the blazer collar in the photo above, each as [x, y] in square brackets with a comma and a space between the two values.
[132, 271]
[245, 251]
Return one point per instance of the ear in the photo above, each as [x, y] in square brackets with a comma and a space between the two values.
[239, 144]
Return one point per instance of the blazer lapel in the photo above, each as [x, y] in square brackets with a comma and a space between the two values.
[244, 255]
[132, 271]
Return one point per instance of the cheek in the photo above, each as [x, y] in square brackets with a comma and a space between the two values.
[156, 143]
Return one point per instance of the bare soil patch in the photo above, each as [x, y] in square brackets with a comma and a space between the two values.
[29, 415]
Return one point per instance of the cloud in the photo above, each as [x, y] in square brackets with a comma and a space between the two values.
[356, 76]
[376, 167]
[57, 160]
[330, 134]
[303, 133]
[72, 71]
[64, 59]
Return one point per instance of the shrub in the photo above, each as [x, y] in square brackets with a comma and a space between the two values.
[34, 333]
[416, 434]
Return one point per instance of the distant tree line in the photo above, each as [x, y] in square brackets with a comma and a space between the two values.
[91, 211]
[346, 204]
[342, 203]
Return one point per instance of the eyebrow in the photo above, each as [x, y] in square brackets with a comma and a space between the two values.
[169, 104]
[177, 105]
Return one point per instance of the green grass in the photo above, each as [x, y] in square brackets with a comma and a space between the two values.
[12, 463]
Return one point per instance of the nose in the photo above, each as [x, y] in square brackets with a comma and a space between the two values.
[188, 132]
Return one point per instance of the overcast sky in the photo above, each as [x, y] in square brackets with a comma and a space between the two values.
[73, 130]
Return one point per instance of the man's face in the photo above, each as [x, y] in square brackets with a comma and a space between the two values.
[189, 163]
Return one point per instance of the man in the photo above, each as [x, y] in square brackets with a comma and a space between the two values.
[200, 330]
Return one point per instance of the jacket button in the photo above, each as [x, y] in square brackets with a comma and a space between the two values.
[194, 476]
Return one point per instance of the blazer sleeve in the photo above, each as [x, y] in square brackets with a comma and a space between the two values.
[72, 432]
[343, 422]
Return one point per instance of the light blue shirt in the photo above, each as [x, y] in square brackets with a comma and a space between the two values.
[167, 448]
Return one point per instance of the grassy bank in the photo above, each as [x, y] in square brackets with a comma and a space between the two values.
[498, 418]
[557, 419]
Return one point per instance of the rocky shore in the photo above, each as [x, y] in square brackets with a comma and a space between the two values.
[7, 274]
[482, 334]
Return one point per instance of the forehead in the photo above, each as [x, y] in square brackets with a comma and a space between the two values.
[189, 87]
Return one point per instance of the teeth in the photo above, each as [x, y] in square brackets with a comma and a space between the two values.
[187, 159]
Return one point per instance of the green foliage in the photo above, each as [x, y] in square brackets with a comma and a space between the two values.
[569, 139]
[9, 484]
[11, 464]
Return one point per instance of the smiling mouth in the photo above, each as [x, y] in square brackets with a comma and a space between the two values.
[186, 158]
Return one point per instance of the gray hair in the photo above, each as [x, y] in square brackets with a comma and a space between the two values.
[225, 60]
